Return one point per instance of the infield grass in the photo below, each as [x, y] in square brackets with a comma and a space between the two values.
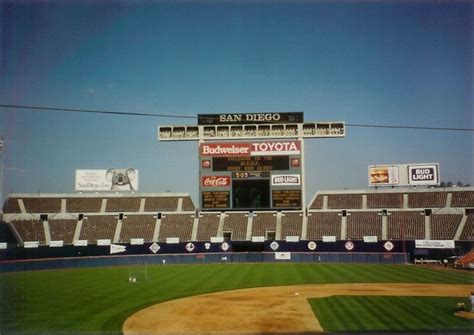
[388, 313]
[101, 299]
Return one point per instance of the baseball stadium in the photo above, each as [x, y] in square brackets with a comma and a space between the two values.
[254, 256]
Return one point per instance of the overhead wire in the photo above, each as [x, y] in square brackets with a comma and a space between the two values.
[175, 116]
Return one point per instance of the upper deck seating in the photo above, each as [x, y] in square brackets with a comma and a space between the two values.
[468, 230]
[188, 204]
[427, 199]
[384, 200]
[42, 205]
[30, 230]
[345, 201]
[83, 205]
[125, 204]
[318, 202]
[11, 206]
[161, 204]
[463, 199]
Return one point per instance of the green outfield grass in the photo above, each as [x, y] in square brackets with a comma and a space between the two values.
[100, 299]
[384, 313]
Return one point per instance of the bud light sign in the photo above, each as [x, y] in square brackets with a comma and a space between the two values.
[423, 174]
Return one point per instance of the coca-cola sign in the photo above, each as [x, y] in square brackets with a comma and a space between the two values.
[215, 181]
[251, 148]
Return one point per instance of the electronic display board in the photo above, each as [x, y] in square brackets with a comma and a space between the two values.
[250, 163]
[215, 199]
[286, 198]
[251, 175]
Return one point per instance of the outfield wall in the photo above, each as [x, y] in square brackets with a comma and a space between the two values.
[202, 258]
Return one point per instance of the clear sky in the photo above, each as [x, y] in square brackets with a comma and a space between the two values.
[374, 62]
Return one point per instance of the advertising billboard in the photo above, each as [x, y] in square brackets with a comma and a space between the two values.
[251, 175]
[426, 174]
[106, 180]
[412, 174]
[383, 175]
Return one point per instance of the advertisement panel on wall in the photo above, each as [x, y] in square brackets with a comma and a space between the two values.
[413, 174]
[426, 174]
[267, 148]
[383, 175]
[106, 180]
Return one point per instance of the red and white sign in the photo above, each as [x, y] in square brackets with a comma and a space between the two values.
[215, 181]
[251, 148]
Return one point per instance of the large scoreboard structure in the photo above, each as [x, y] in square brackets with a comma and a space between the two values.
[251, 161]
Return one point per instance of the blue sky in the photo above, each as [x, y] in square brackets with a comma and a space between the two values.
[373, 62]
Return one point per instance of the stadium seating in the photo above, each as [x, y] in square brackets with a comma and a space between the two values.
[42, 205]
[83, 205]
[62, 230]
[161, 204]
[11, 206]
[463, 199]
[318, 202]
[208, 226]
[236, 223]
[406, 225]
[125, 204]
[344, 201]
[323, 224]
[176, 225]
[263, 223]
[360, 224]
[468, 231]
[427, 199]
[30, 230]
[464, 261]
[291, 224]
[443, 226]
[137, 226]
[188, 204]
[98, 227]
[384, 200]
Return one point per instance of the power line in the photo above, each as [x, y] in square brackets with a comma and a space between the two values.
[73, 110]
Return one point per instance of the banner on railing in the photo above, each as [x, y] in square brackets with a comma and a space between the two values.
[258, 239]
[217, 239]
[3, 245]
[283, 255]
[172, 240]
[80, 243]
[370, 239]
[434, 244]
[292, 239]
[137, 241]
[103, 241]
[329, 238]
[31, 244]
[56, 244]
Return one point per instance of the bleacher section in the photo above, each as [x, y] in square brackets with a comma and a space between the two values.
[161, 204]
[30, 230]
[123, 204]
[468, 231]
[264, 223]
[427, 199]
[83, 205]
[463, 199]
[42, 205]
[208, 226]
[236, 223]
[176, 225]
[407, 225]
[360, 224]
[392, 214]
[344, 201]
[137, 226]
[98, 227]
[62, 230]
[444, 226]
[384, 200]
[291, 224]
[323, 224]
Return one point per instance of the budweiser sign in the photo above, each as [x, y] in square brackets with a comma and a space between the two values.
[215, 181]
[251, 148]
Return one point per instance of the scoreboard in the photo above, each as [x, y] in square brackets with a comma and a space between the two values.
[250, 175]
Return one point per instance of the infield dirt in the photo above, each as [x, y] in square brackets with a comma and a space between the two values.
[277, 309]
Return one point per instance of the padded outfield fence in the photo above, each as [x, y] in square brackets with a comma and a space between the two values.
[203, 258]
